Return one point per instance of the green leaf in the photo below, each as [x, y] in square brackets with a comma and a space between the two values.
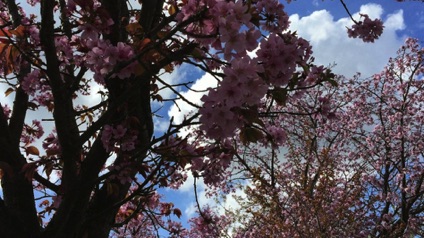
[250, 134]
[294, 81]
[280, 96]
[333, 82]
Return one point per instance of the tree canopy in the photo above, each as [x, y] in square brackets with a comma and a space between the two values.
[325, 156]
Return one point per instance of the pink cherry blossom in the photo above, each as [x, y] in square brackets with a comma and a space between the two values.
[32, 132]
[6, 110]
[51, 144]
[368, 30]
[32, 82]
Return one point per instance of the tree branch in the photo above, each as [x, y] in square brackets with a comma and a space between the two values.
[66, 126]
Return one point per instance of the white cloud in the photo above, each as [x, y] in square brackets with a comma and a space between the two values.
[94, 97]
[181, 108]
[171, 78]
[181, 75]
[395, 21]
[188, 184]
[332, 45]
[371, 9]
[229, 202]
[191, 209]
[307, 26]
[6, 100]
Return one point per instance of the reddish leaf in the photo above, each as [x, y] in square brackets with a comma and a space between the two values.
[112, 188]
[157, 97]
[9, 91]
[32, 106]
[48, 168]
[197, 53]
[251, 115]
[5, 32]
[162, 34]
[172, 10]
[169, 68]
[29, 170]
[154, 88]
[14, 54]
[144, 43]
[139, 70]
[143, 169]
[44, 203]
[134, 28]
[50, 106]
[3, 47]
[163, 182]
[8, 64]
[177, 212]
[18, 31]
[4, 41]
[90, 117]
[32, 150]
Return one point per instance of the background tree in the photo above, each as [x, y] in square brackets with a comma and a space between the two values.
[355, 173]
[100, 157]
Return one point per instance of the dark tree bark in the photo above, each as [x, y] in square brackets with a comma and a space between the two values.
[103, 207]
[18, 216]
[87, 209]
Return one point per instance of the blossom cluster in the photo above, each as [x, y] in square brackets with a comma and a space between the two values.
[247, 81]
[207, 161]
[32, 132]
[118, 137]
[103, 57]
[51, 144]
[219, 117]
[247, 77]
[36, 85]
[222, 24]
[121, 172]
[95, 19]
[233, 28]
[155, 213]
[6, 111]
[368, 30]
[208, 224]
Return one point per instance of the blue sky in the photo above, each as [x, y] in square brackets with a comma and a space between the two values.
[413, 10]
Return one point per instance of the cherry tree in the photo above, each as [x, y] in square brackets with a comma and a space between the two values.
[391, 102]
[355, 172]
[303, 182]
[99, 167]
